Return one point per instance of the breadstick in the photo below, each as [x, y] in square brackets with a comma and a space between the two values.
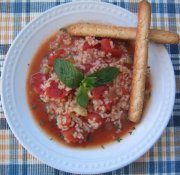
[117, 32]
[140, 62]
[164, 37]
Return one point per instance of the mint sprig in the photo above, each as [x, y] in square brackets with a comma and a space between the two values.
[73, 78]
[89, 82]
[67, 73]
[82, 94]
[105, 75]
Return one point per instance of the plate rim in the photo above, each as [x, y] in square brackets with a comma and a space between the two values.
[3, 88]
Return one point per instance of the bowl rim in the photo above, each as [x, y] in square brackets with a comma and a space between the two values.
[3, 88]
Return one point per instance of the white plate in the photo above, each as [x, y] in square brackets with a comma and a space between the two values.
[115, 155]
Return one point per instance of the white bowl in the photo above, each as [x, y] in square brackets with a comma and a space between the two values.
[115, 155]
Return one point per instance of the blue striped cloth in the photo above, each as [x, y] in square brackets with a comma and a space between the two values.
[162, 159]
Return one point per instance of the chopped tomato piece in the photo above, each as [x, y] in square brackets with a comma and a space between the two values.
[98, 91]
[95, 117]
[36, 80]
[54, 92]
[116, 52]
[69, 135]
[86, 46]
[106, 47]
[108, 107]
[87, 67]
[66, 120]
[125, 91]
[105, 44]
[55, 54]
[51, 59]
[60, 52]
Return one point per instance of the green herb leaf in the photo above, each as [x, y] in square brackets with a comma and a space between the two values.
[73, 78]
[130, 132]
[89, 138]
[133, 128]
[89, 82]
[82, 96]
[34, 106]
[67, 73]
[118, 139]
[42, 122]
[61, 136]
[63, 29]
[105, 75]
[117, 126]
[98, 78]
[102, 146]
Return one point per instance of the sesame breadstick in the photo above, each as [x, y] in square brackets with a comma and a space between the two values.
[140, 62]
[117, 32]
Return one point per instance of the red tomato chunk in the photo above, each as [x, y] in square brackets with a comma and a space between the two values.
[106, 46]
[54, 92]
[71, 136]
[86, 46]
[36, 80]
[55, 54]
[97, 92]
[94, 117]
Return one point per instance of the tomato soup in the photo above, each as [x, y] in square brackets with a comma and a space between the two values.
[90, 108]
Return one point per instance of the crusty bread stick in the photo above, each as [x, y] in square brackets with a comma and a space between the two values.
[140, 62]
[163, 37]
[102, 30]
